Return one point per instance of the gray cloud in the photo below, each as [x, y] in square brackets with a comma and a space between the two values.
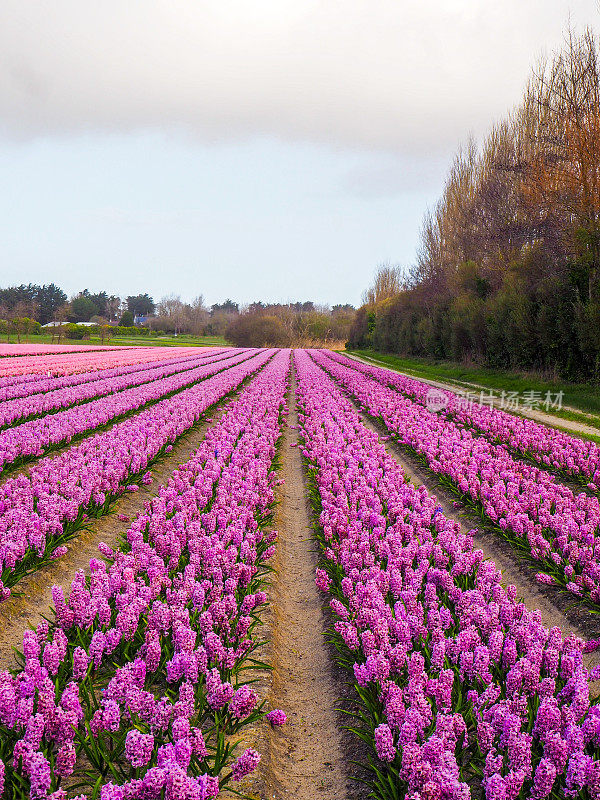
[403, 76]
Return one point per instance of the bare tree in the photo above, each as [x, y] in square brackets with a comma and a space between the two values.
[171, 313]
[386, 283]
[60, 315]
[562, 114]
[197, 315]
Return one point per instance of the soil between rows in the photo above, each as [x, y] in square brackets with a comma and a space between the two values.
[311, 756]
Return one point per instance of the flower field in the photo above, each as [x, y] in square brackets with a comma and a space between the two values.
[459, 683]
[573, 458]
[137, 676]
[36, 436]
[552, 524]
[19, 369]
[15, 350]
[36, 384]
[146, 679]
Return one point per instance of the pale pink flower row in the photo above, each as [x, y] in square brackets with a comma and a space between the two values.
[36, 384]
[15, 369]
[51, 400]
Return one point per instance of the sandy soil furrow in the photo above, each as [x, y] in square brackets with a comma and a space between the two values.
[309, 757]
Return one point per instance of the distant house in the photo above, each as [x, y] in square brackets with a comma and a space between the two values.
[59, 324]
[140, 319]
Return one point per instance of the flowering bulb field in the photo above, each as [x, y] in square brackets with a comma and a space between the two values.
[134, 685]
[460, 684]
[573, 458]
[7, 349]
[17, 369]
[147, 677]
[33, 438]
[545, 519]
[40, 401]
[42, 508]
[36, 384]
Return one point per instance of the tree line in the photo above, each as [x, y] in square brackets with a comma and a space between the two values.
[291, 325]
[508, 269]
[25, 308]
[49, 303]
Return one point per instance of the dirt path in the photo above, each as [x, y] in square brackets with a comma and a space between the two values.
[556, 608]
[307, 759]
[18, 613]
[571, 426]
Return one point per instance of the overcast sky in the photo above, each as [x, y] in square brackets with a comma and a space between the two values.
[264, 149]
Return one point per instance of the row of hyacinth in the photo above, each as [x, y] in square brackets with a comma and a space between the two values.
[43, 383]
[462, 691]
[21, 409]
[544, 519]
[42, 509]
[140, 683]
[7, 349]
[26, 368]
[573, 458]
[32, 439]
